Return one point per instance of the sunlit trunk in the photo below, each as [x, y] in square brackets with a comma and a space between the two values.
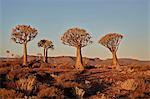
[44, 58]
[115, 60]
[79, 64]
[25, 54]
[45, 55]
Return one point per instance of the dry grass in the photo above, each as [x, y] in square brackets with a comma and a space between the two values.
[58, 79]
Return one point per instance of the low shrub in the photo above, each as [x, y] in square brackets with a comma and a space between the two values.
[27, 85]
[9, 94]
[50, 92]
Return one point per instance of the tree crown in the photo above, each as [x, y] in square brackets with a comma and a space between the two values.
[23, 33]
[111, 41]
[46, 44]
[7, 51]
[76, 37]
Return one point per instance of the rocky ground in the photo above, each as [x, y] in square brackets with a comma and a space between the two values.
[59, 80]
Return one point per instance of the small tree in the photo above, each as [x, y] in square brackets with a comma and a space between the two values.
[22, 34]
[112, 41]
[12, 55]
[46, 44]
[78, 38]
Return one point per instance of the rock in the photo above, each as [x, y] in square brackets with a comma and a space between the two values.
[130, 70]
[103, 97]
[129, 84]
[87, 82]
[79, 92]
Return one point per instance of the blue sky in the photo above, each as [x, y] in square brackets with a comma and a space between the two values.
[53, 17]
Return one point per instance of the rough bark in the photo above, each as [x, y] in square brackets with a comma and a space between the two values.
[79, 64]
[44, 58]
[115, 60]
[46, 51]
[25, 54]
[45, 55]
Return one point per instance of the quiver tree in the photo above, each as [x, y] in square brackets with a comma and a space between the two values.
[112, 41]
[12, 55]
[22, 34]
[78, 38]
[46, 44]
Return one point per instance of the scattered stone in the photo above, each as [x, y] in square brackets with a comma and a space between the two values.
[79, 92]
[129, 84]
[87, 82]
[130, 70]
[103, 97]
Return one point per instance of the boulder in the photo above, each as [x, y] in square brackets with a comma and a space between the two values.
[129, 84]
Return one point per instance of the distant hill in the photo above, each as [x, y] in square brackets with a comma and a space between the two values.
[70, 61]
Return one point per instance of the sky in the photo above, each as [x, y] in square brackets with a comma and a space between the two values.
[53, 17]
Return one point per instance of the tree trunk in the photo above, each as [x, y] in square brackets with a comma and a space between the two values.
[115, 60]
[79, 64]
[25, 54]
[44, 55]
